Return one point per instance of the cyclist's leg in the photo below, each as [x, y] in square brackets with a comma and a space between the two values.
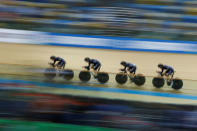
[169, 74]
[132, 72]
[96, 69]
[61, 65]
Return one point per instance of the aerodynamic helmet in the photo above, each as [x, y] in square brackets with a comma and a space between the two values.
[123, 63]
[87, 59]
[52, 57]
[160, 65]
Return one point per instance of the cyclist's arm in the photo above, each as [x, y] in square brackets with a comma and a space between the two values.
[124, 69]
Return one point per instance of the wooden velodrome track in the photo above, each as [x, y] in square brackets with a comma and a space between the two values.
[38, 56]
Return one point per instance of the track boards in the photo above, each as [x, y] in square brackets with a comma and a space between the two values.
[51, 73]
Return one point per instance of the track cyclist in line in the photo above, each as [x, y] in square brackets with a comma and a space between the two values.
[167, 71]
[93, 64]
[131, 68]
[58, 62]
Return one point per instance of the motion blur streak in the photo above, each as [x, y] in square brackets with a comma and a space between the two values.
[33, 30]
[157, 19]
[95, 112]
[21, 103]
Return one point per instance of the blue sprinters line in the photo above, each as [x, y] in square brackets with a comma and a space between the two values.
[128, 44]
[121, 38]
[101, 89]
[127, 49]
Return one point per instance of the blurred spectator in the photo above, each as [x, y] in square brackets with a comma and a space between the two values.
[156, 19]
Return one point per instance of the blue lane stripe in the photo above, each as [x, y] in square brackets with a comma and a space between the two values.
[121, 38]
[102, 89]
[116, 48]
